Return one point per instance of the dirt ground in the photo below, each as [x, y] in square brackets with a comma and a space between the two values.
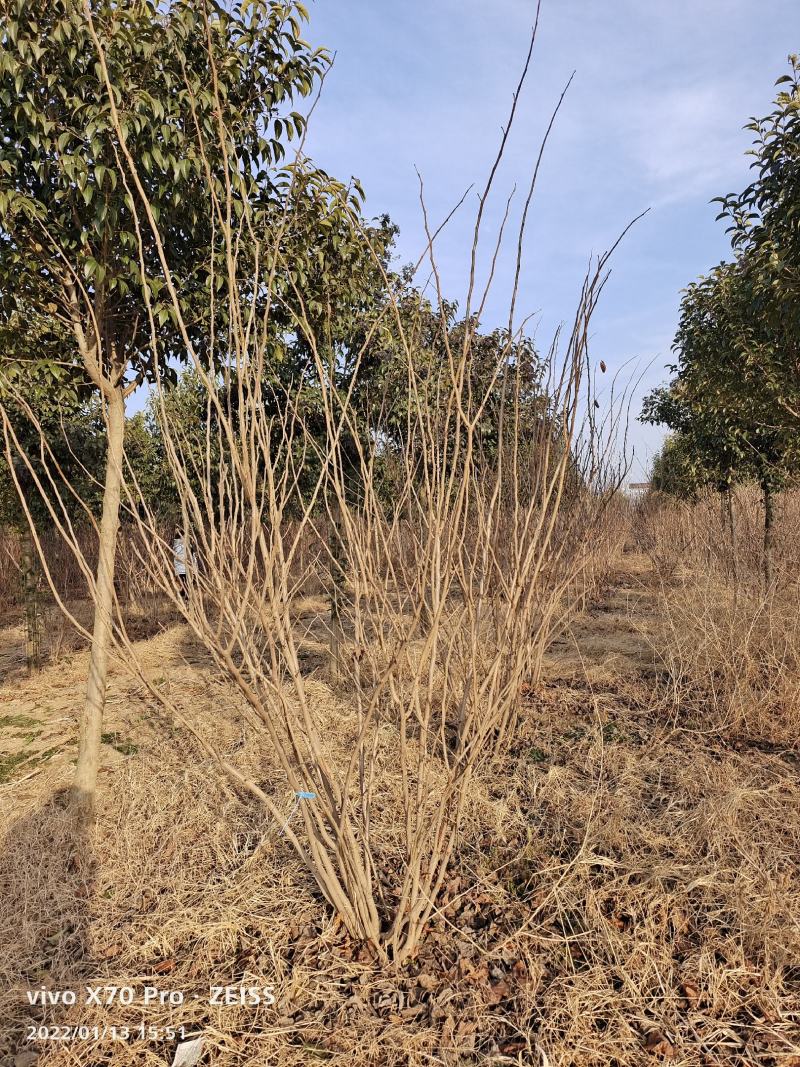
[630, 897]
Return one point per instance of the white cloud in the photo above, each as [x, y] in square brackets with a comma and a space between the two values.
[687, 142]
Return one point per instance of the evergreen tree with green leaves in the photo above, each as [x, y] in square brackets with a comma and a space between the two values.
[719, 401]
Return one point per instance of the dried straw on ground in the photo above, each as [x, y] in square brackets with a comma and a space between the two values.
[625, 891]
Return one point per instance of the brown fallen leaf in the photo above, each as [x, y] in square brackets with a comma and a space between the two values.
[446, 1036]
[497, 992]
[472, 972]
[427, 981]
[466, 1026]
[691, 993]
[110, 952]
[680, 920]
[657, 1045]
[508, 1047]
[26, 1059]
[164, 967]
[769, 1015]
[413, 1012]
[451, 888]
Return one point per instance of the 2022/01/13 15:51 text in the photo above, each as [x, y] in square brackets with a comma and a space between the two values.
[142, 1031]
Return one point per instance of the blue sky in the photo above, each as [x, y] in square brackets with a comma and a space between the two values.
[653, 119]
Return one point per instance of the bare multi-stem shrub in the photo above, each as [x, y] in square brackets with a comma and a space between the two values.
[139, 600]
[63, 568]
[445, 596]
[726, 540]
[609, 533]
[448, 592]
[661, 531]
[10, 591]
[25, 596]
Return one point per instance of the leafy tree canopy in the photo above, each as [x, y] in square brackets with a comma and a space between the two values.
[722, 400]
[199, 95]
[765, 232]
[675, 470]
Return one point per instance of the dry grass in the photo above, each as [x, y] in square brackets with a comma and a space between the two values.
[624, 891]
[729, 651]
[732, 667]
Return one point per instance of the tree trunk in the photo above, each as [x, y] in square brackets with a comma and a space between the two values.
[769, 522]
[91, 723]
[733, 543]
[30, 586]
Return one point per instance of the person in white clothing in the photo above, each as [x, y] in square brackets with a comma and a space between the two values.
[179, 560]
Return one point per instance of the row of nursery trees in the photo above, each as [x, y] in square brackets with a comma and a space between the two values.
[733, 404]
[311, 410]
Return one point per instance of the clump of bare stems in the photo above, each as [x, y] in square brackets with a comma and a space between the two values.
[444, 595]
